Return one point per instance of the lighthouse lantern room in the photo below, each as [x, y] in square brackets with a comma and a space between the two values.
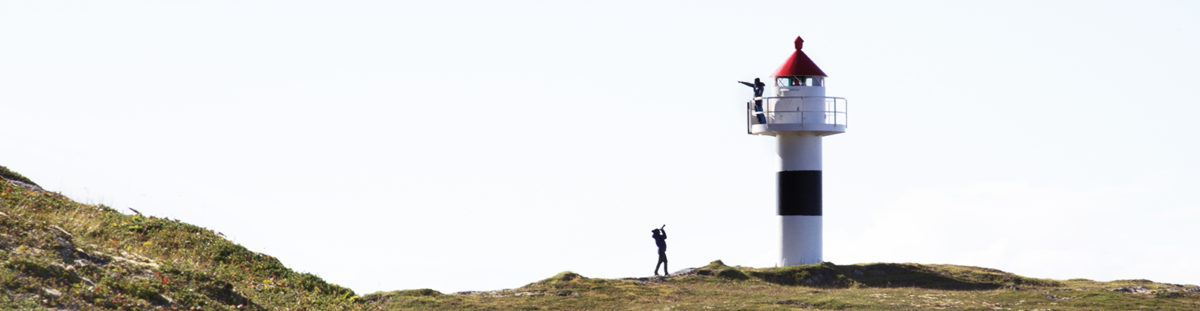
[798, 115]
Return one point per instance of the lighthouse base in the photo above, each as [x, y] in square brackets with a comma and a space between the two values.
[801, 237]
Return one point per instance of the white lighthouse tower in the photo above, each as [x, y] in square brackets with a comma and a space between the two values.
[798, 114]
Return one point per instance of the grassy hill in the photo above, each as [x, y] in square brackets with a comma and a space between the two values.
[59, 254]
[825, 286]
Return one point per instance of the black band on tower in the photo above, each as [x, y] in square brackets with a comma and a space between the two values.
[800, 193]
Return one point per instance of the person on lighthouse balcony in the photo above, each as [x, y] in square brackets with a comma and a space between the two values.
[758, 87]
[660, 239]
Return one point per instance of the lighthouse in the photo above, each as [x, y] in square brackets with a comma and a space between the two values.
[798, 114]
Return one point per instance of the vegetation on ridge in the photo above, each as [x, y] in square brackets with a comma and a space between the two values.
[824, 286]
[5, 173]
[62, 254]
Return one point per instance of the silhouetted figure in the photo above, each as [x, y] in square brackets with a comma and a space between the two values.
[758, 87]
[660, 239]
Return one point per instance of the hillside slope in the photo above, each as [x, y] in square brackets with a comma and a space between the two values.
[59, 254]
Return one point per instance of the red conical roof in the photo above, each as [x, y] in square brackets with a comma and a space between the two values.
[799, 64]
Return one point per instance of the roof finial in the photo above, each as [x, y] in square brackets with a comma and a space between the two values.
[799, 43]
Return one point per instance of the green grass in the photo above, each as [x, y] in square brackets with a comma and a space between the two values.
[10, 175]
[56, 253]
[947, 277]
[824, 286]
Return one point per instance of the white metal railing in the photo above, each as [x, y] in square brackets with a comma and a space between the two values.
[766, 110]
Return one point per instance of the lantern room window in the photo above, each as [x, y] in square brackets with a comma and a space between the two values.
[799, 81]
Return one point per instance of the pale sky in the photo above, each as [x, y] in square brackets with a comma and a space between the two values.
[479, 145]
